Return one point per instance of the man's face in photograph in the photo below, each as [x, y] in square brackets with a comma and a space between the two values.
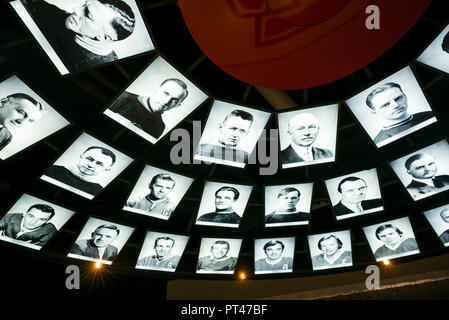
[304, 129]
[163, 247]
[424, 168]
[219, 250]
[161, 188]
[17, 112]
[329, 246]
[274, 252]
[390, 104]
[93, 162]
[353, 191]
[35, 218]
[103, 237]
[224, 200]
[389, 236]
[167, 96]
[232, 130]
[288, 201]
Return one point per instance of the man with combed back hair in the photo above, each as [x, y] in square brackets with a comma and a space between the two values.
[99, 245]
[288, 199]
[224, 212]
[162, 259]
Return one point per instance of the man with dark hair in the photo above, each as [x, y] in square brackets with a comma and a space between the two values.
[353, 193]
[224, 213]
[84, 175]
[218, 260]
[146, 112]
[163, 258]
[274, 261]
[288, 199]
[157, 201]
[84, 37]
[16, 111]
[393, 240]
[444, 214]
[32, 227]
[332, 255]
[98, 246]
[234, 127]
[389, 103]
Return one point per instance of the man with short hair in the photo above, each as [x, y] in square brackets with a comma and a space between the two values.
[444, 214]
[353, 193]
[32, 227]
[99, 245]
[274, 261]
[332, 255]
[157, 201]
[16, 111]
[288, 199]
[146, 112]
[163, 258]
[303, 129]
[389, 103]
[393, 240]
[84, 175]
[225, 197]
[234, 127]
[218, 260]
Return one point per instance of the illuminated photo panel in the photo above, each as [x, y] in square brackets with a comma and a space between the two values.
[156, 101]
[424, 172]
[439, 220]
[230, 134]
[25, 118]
[274, 255]
[81, 34]
[330, 250]
[391, 239]
[436, 54]
[392, 108]
[355, 194]
[100, 241]
[161, 251]
[32, 222]
[308, 136]
[86, 167]
[157, 193]
[218, 255]
[288, 205]
[223, 204]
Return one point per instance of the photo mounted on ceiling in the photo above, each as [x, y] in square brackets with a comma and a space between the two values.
[83, 34]
[223, 204]
[86, 167]
[230, 134]
[392, 108]
[439, 220]
[391, 239]
[156, 101]
[308, 136]
[218, 255]
[161, 251]
[330, 250]
[436, 54]
[424, 172]
[32, 222]
[100, 241]
[25, 118]
[355, 194]
[157, 193]
[288, 205]
[274, 255]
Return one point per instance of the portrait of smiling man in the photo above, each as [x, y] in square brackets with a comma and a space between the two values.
[274, 260]
[163, 257]
[218, 260]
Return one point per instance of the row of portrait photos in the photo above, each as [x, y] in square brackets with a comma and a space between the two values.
[32, 222]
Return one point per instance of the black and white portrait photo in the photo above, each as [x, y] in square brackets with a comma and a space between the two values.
[32, 222]
[223, 204]
[391, 239]
[436, 54]
[100, 241]
[424, 172]
[218, 255]
[288, 205]
[161, 251]
[157, 193]
[355, 194]
[392, 108]
[439, 220]
[274, 255]
[86, 167]
[158, 100]
[81, 34]
[230, 134]
[330, 250]
[308, 136]
[25, 118]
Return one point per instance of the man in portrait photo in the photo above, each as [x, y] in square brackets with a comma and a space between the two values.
[99, 245]
[389, 104]
[225, 197]
[146, 112]
[157, 201]
[85, 173]
[218, 260]
[16, 111]
[85, 36]
[274, 260]
[287, 202]
[234, 127]
[353, 197]
[332, 254]
[394, 241]
[163, 259]
[444, 236]
[32, 227]
[303, 129]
